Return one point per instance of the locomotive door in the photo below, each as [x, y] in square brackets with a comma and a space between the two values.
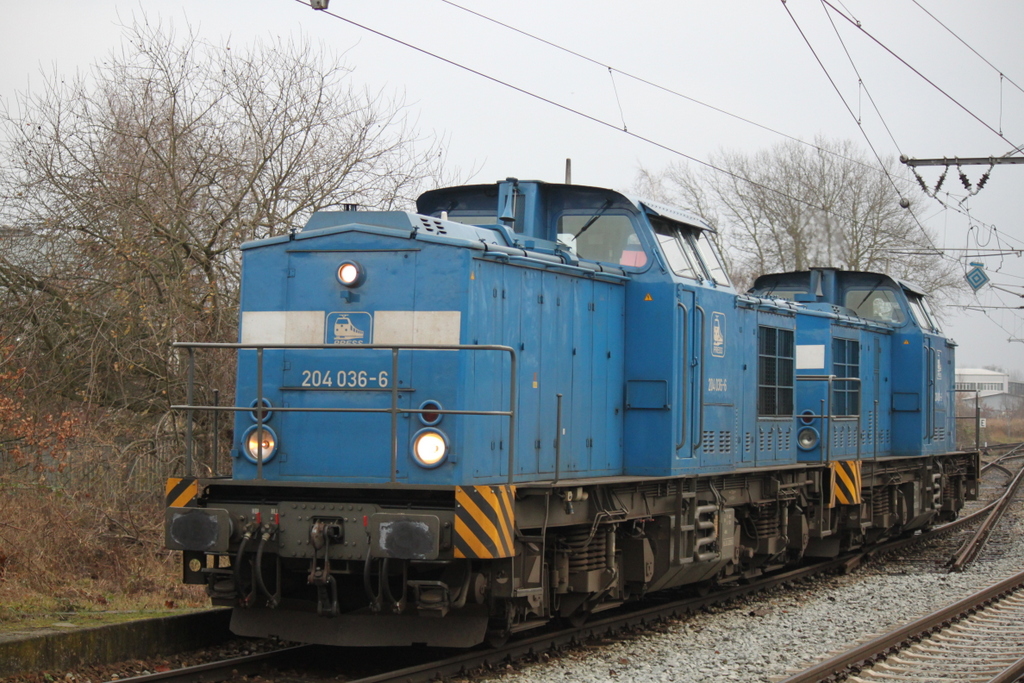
[687, 430]
[938, 385]
[875, 396]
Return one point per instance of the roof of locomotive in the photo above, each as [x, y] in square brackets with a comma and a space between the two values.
[433, 223]
[429, 202]
[770, 281]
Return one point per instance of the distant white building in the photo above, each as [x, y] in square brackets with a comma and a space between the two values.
[995, 390]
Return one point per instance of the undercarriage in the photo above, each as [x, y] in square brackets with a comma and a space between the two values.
[376, 565]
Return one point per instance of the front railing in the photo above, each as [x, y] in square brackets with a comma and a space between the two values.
[394, 410]
[976, 417]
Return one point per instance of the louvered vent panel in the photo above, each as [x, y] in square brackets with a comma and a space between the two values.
[707, 442]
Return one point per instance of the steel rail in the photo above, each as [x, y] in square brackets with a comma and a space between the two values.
[1011, 454]
[1011, 673]
[884, 645]
[970, 550]
[213, 672]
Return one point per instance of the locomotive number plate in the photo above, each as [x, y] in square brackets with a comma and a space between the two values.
[717, 384]
[345, 379]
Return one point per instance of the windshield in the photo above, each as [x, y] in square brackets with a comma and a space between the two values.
[878, 304]
[928, 309]
[608, 237]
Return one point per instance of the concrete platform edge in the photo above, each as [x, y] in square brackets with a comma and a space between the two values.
[55, 651]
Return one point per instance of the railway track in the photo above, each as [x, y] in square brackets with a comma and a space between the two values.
[638, 616]
[294, 663]
[224, 669]
[979, 638]
[970, 550]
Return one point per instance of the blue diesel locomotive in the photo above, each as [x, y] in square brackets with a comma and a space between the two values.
[530, 400]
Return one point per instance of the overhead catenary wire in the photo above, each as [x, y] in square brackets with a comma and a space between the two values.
[1002, 74]
[590, 117]
[860, 126]
[860, 80]
[670, 91]
[973, 307]
[901, 60]
[650, 141]
[631, 134]
[612, 70]
[856, 118]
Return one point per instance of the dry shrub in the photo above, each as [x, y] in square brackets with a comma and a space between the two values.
[1007, 428]
[81, 514]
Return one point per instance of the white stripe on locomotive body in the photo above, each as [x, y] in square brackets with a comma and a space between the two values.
[418, 327]
[282, 327]
[389, 327]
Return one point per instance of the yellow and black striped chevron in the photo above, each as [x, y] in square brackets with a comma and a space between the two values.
[846, 482]
[180, 492]
[484, 521]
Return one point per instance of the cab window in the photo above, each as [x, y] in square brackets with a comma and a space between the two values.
[690, 253]
[928, 310]
[709, 254]
[606, 237]
[880, 305]
[922, 316]
[679, 252]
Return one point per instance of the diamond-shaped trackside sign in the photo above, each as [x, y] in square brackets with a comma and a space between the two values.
[976, 278]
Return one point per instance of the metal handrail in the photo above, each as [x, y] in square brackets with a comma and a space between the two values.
[977, 415]
[394, 390]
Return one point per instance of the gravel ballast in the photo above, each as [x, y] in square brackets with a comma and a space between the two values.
[765, 637]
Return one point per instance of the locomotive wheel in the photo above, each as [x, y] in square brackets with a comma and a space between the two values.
[703, 588]
[578, 618]
[497, 637]
[499, 628]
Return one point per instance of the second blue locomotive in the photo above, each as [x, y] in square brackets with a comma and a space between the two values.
[529, 400]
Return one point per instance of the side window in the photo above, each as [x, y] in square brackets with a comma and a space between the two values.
[846, 363]
[711, 258]
[928, 311]
[678, 251]
[919, 310]
[774, 372]
[609, 238]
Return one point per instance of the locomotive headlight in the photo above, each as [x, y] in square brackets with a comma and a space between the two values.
[807, 438]
[351, 274]
[429, 448]
[259, 441]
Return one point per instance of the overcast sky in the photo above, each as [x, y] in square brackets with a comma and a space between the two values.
[747, 58]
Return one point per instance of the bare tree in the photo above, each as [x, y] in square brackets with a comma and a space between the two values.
[793, 207]
[127, 192]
